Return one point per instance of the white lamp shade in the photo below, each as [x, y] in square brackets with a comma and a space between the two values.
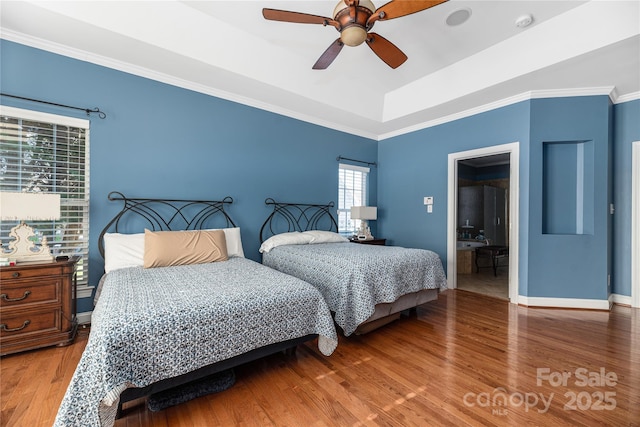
[29, 206]
[364, 212]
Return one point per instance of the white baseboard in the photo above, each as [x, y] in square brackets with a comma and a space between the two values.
[587, 304]
[621, 299]
[84, 318]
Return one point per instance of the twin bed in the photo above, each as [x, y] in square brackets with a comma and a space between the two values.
[167, 314]
[365, 286]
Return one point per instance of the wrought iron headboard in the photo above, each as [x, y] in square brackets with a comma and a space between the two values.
[166, 214]
[297, 217]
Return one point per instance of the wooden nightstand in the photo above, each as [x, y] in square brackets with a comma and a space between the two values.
[370, 242]
[37, 305]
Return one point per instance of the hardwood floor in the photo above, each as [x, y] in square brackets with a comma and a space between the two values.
[466, 359]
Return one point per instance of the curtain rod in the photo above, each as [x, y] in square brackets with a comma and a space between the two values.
[96, 110]
[354, 160]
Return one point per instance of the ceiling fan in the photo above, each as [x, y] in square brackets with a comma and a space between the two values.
[354, 19]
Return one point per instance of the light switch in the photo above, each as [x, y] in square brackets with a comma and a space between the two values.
[429, 208]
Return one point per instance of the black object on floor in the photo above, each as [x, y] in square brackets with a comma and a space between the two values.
[212, 384]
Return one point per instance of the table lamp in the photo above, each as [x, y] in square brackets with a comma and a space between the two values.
[364, 213]
[28, 207]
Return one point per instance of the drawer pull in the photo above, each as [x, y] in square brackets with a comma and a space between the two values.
[15, 275]
[6, 297]
[19, 328]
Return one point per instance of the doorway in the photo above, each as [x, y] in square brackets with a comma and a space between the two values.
[466, 229]
[482, 246]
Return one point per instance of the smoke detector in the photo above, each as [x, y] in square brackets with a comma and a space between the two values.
[524, 21]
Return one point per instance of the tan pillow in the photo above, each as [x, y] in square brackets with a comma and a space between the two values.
[164, 248]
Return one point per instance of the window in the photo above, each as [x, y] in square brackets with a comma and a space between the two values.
[50, 154]
[352, 191]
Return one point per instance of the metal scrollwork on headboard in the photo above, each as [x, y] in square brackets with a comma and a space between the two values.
[166, 214]
[288, 217]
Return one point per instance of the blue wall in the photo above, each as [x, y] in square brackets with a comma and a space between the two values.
[570, 265]
[626, 130]
[554, 266]
[415, 165]
[162, 141]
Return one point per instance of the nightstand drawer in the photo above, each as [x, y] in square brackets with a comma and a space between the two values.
[23, 293]
[20, 272]
[25, 323]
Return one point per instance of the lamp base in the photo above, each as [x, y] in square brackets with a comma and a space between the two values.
[365, 232]
[22, 249]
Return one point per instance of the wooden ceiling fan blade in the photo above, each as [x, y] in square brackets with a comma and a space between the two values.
[329, 55]
[386, 50]
[296, 17]
[398, 8]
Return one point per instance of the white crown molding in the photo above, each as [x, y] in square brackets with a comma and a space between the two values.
[627, 97]
[567, 93]
[525, 96]
[81, 55]
[172, 80]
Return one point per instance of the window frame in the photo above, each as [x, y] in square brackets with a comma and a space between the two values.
[77, 208]
[359, 197]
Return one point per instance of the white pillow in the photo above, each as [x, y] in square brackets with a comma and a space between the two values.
[234, 242]
[320, 236]
[292, 238]
[123, 250]
[127, 250]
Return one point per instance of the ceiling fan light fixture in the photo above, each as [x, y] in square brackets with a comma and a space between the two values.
[354, 35]
[354, 20]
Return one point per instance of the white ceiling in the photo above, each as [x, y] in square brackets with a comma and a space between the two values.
[227, 49]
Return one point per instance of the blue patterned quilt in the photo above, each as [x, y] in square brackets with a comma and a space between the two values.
[157, 323]
[353, 278]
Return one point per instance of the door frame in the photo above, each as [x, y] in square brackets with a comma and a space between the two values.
[635, 224]
[514, 217]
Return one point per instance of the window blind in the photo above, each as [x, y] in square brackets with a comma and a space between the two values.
[352, 191]
[46, 153]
